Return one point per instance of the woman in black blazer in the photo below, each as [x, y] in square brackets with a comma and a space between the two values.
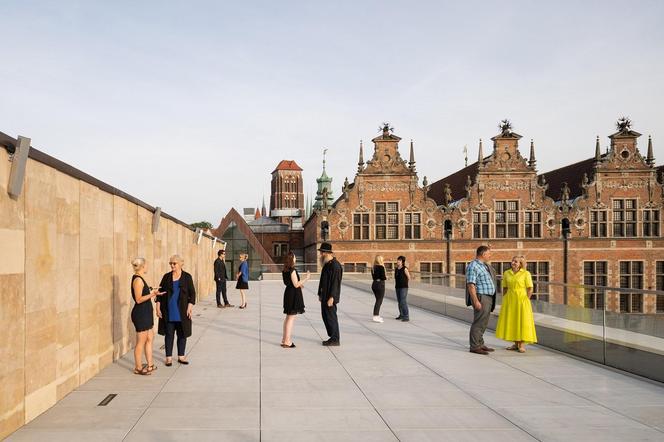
[174, 308]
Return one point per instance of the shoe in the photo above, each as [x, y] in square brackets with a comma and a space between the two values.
[229, 305]
[479, 351]
[331, 343]
[485, 348]
[183, 362]
[292, 345]
[168, 364]
[220, 306]
[377, 319]
[143, 371]
[398, 318]
[405, 320]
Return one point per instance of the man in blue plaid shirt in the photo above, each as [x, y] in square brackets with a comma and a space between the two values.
[481, 293]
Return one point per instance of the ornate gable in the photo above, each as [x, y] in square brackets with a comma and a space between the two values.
[386, 159]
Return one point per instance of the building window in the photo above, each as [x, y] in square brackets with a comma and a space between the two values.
[280, 249]
[595, 273]
[539, 270]
[659, 285]
[387, 220]
[631, 277]
[533, 224]
[480, 224]
[507, 219]
[431, 272]
[624, 218]
[651, 222]
[360, 226]
[360, 267]
[598, 227]
[431, 267]
[501, 267]
[389, 266]
[412, 223]
[460, 269]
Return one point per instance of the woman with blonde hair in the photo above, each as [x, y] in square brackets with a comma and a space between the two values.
[516, 322]
[174, 309]
[242, 277]
[378, 286]
[142, 317]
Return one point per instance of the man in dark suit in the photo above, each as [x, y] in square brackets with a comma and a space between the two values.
[220, 278]
[329, 291]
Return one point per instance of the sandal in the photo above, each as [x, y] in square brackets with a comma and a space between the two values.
[143, 371]
[151, 368]
[512, 348]
[521, 350]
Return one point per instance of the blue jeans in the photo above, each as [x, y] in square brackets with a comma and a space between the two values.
[402, 294]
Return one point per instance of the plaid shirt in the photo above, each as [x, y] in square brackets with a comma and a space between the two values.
[478, 273]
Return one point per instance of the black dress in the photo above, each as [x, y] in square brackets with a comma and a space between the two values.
[293, 300]
[141, 314]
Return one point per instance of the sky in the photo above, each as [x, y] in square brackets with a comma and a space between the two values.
[191, 105]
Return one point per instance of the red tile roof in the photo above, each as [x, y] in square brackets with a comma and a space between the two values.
[457, 182]
[572, 175]
[287, 165]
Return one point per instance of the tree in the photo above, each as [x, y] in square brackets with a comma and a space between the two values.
[202, 224]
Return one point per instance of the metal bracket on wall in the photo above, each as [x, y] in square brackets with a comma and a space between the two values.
[17, 173]
[156, 216]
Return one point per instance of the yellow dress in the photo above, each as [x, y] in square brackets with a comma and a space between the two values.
[516, 322]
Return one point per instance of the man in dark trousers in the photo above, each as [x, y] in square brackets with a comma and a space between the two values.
[220, 278]
[329, 289]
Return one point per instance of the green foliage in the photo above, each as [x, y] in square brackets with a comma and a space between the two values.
[202, 225]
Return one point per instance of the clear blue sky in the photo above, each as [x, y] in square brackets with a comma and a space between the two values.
[191, 105]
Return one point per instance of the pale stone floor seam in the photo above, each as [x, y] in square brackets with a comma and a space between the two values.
[394, 381]
[432, 370]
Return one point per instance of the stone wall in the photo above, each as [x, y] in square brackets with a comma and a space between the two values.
[66, 246]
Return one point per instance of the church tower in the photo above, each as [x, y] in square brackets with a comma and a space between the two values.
[287, 193]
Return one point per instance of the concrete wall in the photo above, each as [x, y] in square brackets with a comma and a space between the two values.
[65, 251]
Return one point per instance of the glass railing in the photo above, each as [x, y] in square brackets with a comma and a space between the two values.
[619, 327]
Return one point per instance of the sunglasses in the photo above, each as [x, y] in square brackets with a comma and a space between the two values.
[173, 263]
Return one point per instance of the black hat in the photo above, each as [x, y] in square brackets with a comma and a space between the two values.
[325, 247]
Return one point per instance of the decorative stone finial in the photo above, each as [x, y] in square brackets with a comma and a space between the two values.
[623, 124]
[650, 158]
[360, 161]
[411, 162]
[598, 152]
[505, 127]
[532, 162]
[480, 155]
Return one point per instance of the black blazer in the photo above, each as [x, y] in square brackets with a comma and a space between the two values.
[187, 296]
[329, 285]
[220, 274]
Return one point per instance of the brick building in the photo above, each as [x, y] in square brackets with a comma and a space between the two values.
[597, 221]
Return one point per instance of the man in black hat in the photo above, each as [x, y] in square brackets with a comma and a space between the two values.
[329, 289]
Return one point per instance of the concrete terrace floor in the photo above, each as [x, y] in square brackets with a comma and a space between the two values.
[393, 381]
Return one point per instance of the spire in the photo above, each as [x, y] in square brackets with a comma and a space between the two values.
[263, 209]
[650, 159]
[480, 155]
[324, 153]
[598, 152]
[360, 161]
[532, 161]
[411, 163]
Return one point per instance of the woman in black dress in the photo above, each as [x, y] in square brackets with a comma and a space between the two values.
[378, 286]
[142, 317]
[293, 301]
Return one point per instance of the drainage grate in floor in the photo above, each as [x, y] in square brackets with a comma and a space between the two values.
[106, 400]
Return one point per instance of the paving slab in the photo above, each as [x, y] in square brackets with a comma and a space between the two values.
[393, 381]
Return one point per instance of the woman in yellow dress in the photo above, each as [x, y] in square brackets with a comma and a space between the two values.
[516, 322]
